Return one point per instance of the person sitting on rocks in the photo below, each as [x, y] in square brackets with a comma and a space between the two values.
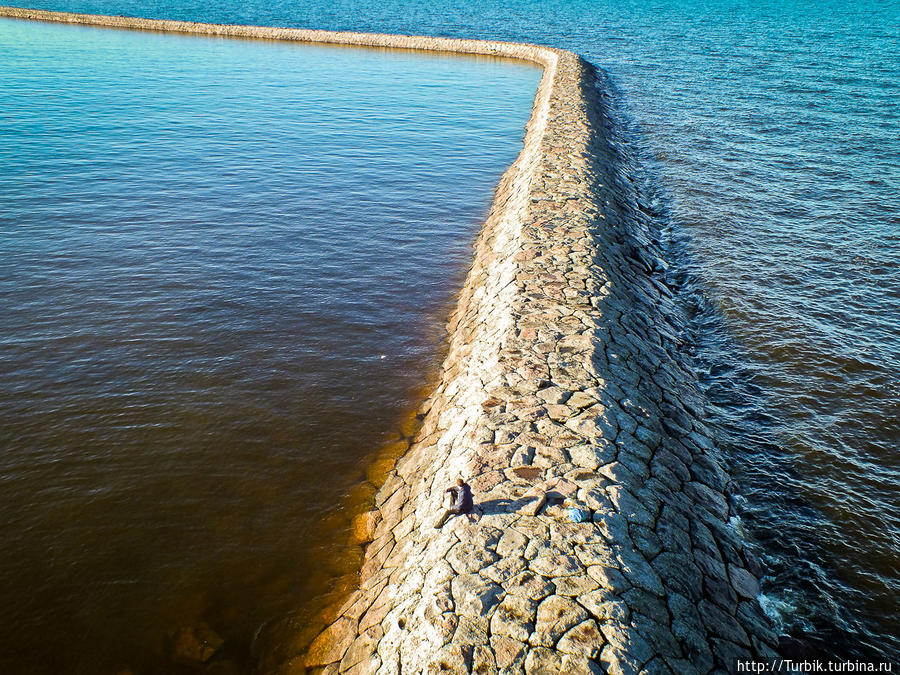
[460, 501]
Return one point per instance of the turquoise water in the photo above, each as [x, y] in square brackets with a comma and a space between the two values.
[766, 137]
[226, 269]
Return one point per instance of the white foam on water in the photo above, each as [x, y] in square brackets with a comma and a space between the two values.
[775, 608]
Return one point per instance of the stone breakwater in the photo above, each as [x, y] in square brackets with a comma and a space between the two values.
[563, 379]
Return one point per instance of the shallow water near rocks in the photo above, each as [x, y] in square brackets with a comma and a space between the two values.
[226, 268]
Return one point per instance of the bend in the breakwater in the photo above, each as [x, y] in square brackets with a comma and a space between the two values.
[563, 380]
[531, 53]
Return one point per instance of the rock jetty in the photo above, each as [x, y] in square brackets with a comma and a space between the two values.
[563, 380]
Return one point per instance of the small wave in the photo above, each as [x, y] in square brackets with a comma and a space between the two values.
[776, 609]
[736, 524]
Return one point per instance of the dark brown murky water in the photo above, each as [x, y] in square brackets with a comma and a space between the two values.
[226, 267]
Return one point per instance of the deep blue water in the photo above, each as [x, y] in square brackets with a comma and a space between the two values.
[226, 267]
[767, 137]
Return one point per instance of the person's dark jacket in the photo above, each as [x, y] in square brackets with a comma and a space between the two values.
[462, 498]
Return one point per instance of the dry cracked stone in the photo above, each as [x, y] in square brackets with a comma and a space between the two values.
[555, 615]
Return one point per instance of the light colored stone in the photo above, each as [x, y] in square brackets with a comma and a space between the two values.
[603, 608]
[580, 400]
[483, 661]
[575, 585]
[554, 395]
[541, 661]
[584, 640]
[467, 557]
[596, 553]
[556, 565]
[531, 585]
[511, 543]
[363, 648]
[503, 570]
[449, 659]
[555, 615]
[473, 595]
[609, 578]
[514, 617]
[577, 665]
[508, 652]
[445, 624]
